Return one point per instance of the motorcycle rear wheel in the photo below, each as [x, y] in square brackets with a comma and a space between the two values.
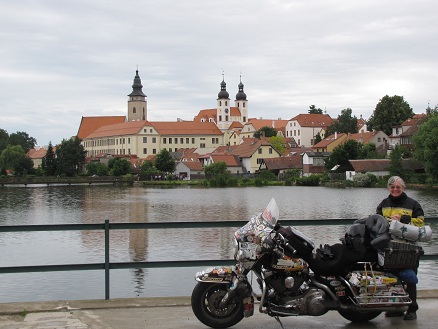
[358, 317]
[205, 305]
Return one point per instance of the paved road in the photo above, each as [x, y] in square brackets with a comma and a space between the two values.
[177, 313]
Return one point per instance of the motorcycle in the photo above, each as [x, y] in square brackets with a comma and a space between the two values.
[294, 278]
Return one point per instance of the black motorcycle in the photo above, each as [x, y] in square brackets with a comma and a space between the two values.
[294, 278]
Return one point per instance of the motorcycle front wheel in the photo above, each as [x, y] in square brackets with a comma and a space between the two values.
[205, 305]
[357, 317]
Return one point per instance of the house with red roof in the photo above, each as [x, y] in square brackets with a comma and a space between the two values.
[402, 135]
[304, 128]
[37, 155]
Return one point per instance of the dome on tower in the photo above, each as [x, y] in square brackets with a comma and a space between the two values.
[137, 86]
[223, 94]
[240, 96]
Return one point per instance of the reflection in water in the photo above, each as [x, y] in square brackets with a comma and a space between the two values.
[94, 204]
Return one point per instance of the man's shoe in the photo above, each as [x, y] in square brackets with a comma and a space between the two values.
[410, 316]
[393, 314]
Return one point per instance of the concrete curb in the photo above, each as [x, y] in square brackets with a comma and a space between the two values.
[120, 303]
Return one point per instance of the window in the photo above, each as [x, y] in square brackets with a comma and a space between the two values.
[220, 117]
[243, 104]
[145, 151]
[260, 151]
[378, 139]
[226, 118]
[220, 103]
[154, 139]
[170, 140]
[193, 140]
[260, 161]
[134, 110]
[226, 103]
[181, 140]
[150, 130]
[187, 140]
[176, 140]
[154, 151]
[270, 150]
[145, 139]
[202, 145]
[164, 140]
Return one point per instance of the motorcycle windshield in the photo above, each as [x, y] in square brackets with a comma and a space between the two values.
[260, 225]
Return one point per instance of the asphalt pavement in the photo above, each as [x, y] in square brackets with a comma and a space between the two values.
[166, 313]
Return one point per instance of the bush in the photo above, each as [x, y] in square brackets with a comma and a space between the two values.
[312, 180]
[267, 175]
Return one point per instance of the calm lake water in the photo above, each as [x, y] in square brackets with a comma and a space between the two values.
[36, 205]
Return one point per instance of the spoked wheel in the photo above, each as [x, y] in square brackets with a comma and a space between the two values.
[355, 316]
[205, 304]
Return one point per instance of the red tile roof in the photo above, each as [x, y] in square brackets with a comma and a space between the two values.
[287, 162]
[37, 154]
[186, 128]
[163, 128]
[229, 159]
[119, 129]
[193, 165]
[90, 124]
[313, 120]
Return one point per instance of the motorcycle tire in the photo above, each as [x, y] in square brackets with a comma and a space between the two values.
[205, 305]
[358, 317]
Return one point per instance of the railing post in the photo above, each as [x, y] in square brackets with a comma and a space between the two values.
[107, 253]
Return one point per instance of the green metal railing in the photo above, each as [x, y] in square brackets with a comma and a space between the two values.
[107, 227]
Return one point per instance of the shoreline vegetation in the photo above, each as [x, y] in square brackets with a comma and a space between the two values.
[316, 180]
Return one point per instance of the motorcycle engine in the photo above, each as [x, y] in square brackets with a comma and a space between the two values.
[292, 295]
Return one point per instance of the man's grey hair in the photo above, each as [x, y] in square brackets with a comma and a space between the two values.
[393, 179]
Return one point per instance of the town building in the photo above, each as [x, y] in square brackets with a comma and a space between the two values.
[305, 127]
[135, 135]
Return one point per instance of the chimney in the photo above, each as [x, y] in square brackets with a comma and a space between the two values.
[336, 135]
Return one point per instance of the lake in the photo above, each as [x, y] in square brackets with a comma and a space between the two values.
[36, 205]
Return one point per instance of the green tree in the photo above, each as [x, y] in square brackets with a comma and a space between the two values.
[214, 169]
[369, 151]
[119, 166]
[318, 138]
[13, 157]
[396, 165]
[390, 111]
[350, 150]
[70, 157]
[426, 146]
[148, 168]
[96, 168]
[314, 110]
[49, 161]
[268, 132]
[277, 143]
[22, 138]
[24, 166]
[4, 136]
[346, 123]
[164, 162]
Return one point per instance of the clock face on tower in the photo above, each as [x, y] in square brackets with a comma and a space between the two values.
[226, 110]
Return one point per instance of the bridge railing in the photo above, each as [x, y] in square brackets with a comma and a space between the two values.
[107, 265]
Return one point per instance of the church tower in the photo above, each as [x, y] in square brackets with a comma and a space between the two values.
[137, 104]
[242, 103]
[223, 105]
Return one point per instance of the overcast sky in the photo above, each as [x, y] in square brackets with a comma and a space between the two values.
[61, 60]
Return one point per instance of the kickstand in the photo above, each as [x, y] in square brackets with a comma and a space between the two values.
[278, 320]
